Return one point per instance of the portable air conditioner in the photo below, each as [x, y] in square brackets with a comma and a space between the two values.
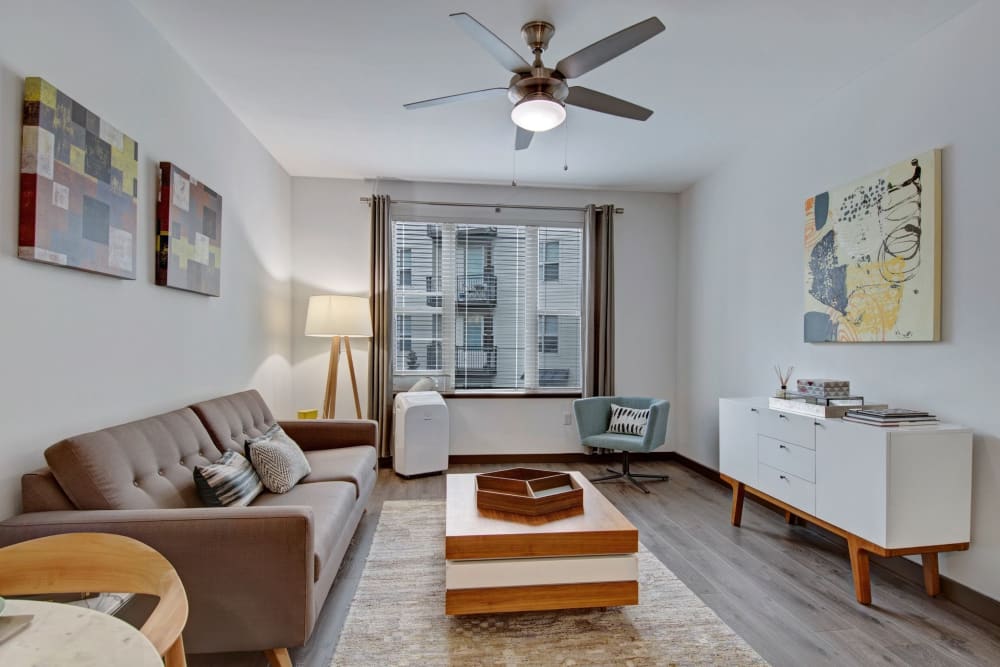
[420, 433]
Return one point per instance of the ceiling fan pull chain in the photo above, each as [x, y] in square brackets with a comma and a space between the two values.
[513, 169]
[566, 144]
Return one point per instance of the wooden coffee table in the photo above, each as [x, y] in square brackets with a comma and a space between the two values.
[500, 562]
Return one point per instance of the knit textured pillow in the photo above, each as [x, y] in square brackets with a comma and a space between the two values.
[630, 421]
[278, 460]
[230, 481]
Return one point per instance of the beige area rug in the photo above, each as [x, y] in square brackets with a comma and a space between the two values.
[397, 615]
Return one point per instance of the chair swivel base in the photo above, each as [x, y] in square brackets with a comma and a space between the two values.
[627, 474]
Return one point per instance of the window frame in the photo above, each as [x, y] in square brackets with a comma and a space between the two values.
[442, 256]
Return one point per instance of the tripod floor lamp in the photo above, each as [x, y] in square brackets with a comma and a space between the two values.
[339, 318]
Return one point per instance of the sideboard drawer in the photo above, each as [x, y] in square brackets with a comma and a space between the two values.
[799, 461]
[786, 487]
[786, 427]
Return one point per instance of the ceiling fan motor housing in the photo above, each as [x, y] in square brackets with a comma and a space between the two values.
[540, 80]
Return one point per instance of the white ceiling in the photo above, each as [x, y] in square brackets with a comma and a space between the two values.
[322, 82]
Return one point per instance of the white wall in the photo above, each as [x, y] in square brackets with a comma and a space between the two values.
[331, 254]
[741, 265]
[81, 351]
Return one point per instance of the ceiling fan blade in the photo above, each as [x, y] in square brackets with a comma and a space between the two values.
[523, 138]
[595, 101]
[497, 48]
[609, 48]
[460, 97]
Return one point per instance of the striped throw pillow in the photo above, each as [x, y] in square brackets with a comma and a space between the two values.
[629, 421]
[278, 460]
[230, 481]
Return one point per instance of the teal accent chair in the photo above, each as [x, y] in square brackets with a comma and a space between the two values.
[593, 415]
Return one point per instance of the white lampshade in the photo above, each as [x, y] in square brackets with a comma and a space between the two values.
[538, 113]
[336, 315]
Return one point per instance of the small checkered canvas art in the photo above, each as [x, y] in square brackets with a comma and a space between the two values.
[189, 233]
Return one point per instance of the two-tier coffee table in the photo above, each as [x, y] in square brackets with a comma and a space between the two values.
[499, 562]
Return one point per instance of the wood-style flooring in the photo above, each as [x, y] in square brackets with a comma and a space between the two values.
[786, 590]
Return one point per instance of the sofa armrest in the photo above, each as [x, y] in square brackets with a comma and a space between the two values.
[247, 571]
[332, 433]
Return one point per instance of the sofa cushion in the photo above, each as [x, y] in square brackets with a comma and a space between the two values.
[347, 464]
[331, 504]
[146, 464]
[230, 481]
[278, 460]
[630, 421]
[234, 419]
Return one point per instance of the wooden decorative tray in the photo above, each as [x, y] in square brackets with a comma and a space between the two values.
[527, 491]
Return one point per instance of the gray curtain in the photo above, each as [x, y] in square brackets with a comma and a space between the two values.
[599, 342]
[379, 356]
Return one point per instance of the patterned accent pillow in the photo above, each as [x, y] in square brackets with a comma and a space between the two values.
[230, 481]
[630, 421]
[278, 460]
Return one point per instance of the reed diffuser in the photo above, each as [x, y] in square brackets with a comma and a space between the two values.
[783, 378]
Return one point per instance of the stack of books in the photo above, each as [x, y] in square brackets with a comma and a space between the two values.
[891, 417]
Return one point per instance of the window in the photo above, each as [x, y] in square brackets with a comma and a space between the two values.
[548, 334]
[550, 256]
[406, 267]
[463, 318]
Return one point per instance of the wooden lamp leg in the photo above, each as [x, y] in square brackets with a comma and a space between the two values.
[330, 397]
[354, 379]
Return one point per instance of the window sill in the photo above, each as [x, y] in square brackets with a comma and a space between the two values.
[506, 395]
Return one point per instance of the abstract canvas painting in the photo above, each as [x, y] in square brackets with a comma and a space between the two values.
[189, 233]
[79, 185]
[873, 257]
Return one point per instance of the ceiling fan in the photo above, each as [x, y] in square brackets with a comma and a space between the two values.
[540, 93]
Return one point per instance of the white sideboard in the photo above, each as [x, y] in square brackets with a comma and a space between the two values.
[888, 491]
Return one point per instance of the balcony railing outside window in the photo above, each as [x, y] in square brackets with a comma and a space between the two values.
[476, 289]
[480, 359]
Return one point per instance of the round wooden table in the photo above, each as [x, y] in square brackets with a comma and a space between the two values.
[63, 634]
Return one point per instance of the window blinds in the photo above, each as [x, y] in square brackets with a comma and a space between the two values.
[487, 306]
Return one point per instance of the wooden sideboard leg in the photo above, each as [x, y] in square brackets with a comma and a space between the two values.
[739, 492]
[860, 570]
[932, 580]
[278, 657]
[789, 518]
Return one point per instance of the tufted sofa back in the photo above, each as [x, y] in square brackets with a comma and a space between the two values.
[231, 420]
[146, 464]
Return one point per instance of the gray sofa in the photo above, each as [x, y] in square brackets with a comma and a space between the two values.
[256, 577]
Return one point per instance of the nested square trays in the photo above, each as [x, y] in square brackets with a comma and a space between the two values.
[528, 491]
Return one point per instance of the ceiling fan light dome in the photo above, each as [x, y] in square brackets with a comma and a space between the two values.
[538, 113]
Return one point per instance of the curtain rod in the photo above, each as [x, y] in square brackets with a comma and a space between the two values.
[367, 200]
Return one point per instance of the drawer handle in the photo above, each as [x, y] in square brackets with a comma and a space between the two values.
[783, 477]
[753, 409]
[782, 417]
[820, 424]
[783, 447]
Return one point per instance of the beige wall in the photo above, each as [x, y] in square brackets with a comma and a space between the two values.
[742, 259]
[81, 351]
[330, 251]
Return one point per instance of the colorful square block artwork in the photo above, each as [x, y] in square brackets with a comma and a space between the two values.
[189, 233]
[79, 185]
[873, 257]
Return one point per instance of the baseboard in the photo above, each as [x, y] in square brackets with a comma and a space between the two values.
[951, 590]
[567, 457]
